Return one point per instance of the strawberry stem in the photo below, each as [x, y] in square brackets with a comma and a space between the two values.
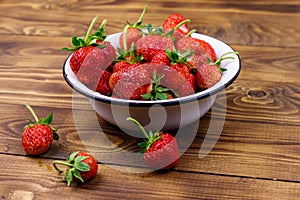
[32, 112]
[139, 125]
[190, 33]
[90, 29]
[223, 57]
[139, 21]
[61, 163]
[124, 38]
[181, 23]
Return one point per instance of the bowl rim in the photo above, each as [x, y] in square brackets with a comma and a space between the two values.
[138, 103]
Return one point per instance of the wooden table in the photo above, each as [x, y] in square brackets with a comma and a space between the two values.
[257, 155]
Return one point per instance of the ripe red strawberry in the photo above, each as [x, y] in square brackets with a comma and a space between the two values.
[208, 48]
[209, 73]
[160, 149]
[148, 46]
[130, 84]
[83, 47]
[132, 32]
[38, 136]
[82, 167]
[189, 44]
[173, 20]
[179, 62]
[109, 53]
[197, 46]
[124, 66]
[171, 78]
[91, 66]
[102, 86]
[161, 58]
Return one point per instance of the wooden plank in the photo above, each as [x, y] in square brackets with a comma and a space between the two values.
[245, 145]
[41, 181]
[235, 22]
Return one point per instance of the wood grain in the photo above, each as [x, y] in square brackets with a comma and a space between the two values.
[255, 157]
[235, 22]
[43, 182]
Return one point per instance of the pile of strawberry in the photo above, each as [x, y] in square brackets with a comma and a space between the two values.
[149, 64]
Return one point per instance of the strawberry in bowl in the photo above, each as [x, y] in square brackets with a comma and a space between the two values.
[169, 71]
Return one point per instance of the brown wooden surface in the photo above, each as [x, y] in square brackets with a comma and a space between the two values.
[257, 155]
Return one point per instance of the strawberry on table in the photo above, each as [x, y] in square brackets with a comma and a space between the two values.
[160, 148]
[82, 167]
[38, 136]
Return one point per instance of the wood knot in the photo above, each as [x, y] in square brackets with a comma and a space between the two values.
[256, 94]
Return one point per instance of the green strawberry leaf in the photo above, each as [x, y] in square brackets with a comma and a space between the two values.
[223, 69]
[81, 166]
[69, 177]
[146, 96]
[41, 121]
[162, 89]
[142, 145]
[55, 135]
[162, 96]
[77, 174]
[72, 156]
[48, 120]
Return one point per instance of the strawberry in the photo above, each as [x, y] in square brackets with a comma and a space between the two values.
[131, 83]
[132, 32]
[152, 44]
[189, 44]
[38, 136]
[160, 148]
[124, 66]
[82, 167]
[109, 53]
[161, 58]
[209, 73]
[82, 47]
[171, 78]
[102, 85]
[208, 48]
[179, 62]
[173, 20]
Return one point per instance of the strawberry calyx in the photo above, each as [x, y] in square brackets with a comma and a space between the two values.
[219, 60]
[75, 166]
[150, 138]
[157, 91]
[41, 121]
[176, 56]
[89, 40]
[129, 56]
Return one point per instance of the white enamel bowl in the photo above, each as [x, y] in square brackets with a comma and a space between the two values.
[162, 114]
